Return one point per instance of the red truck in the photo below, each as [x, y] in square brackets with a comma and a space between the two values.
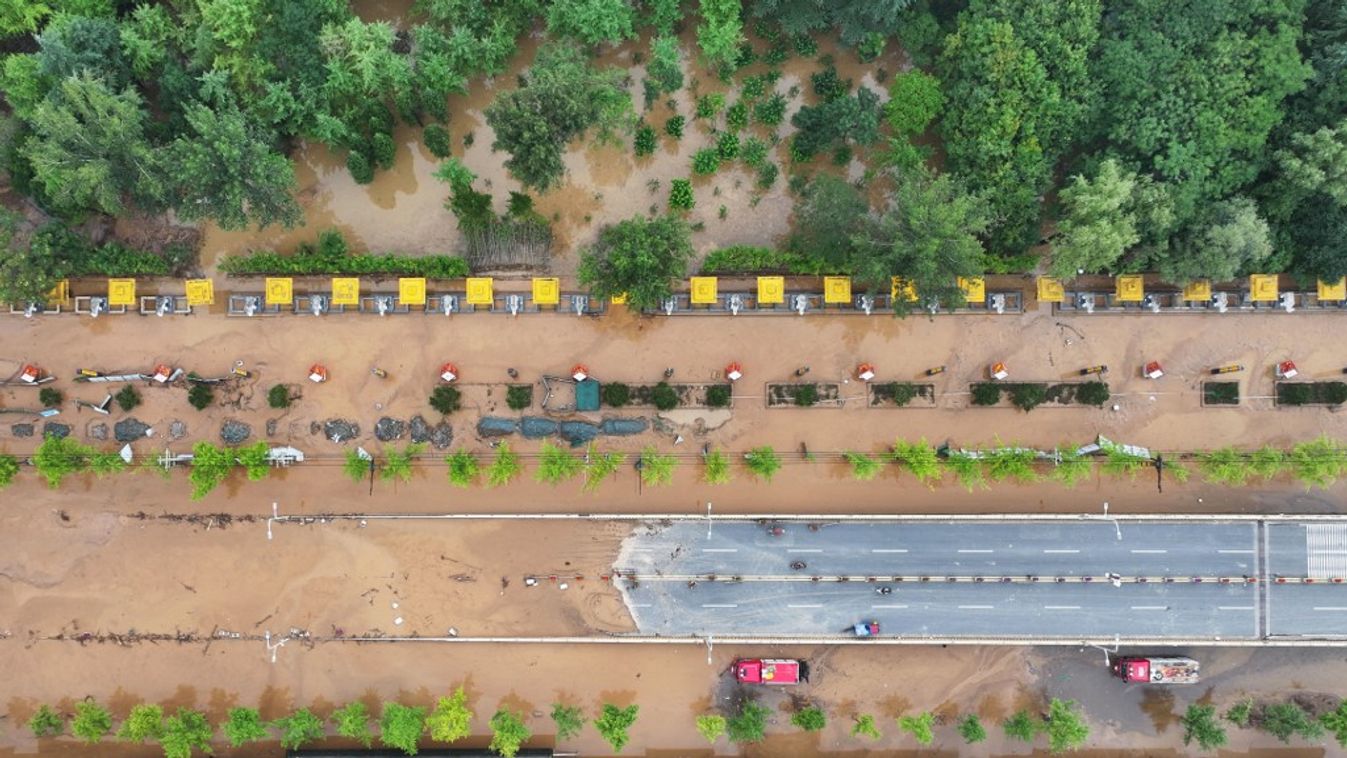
[770, 671]
[1155, 670]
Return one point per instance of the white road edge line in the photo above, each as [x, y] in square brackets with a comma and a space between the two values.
[804, 606]
[977, 551]
[1060, 551]
[873, 607]
[803, 550]
[976, 607]
[1150, 607]
[715, 605]
[889, 550]
[640, 605]
[1061, 607]
[1150, 552]
[1330, 608]
[720, 550]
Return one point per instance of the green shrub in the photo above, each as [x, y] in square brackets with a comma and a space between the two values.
[1224, 466]
[805, 45]
[865, 727]
[972, 730]
[709, 105]
[806, 395]
[716, 467]
[352, 721]
[763, 462]
[1065, 726]
[200, 396]
[919, 726]
[736, 116]
[92, 721]
[1092, 393]
[863, 467]
[1318, 462]
[754, 87]
[329, 256]
[127, 398]
[1021, 726]
[1286, 720]
[383, 150]
[437, 141]
[569, 720]
[244, 725]
[401, 726]
[463, 468]
[616, 394]
[1293, 394]
[770, 112]
[777, 54]
[645, 140]
[705, 161]
[902, 393]
[1220, 393]
[664, 397]
[810, 719]
[600, 466]
[718, 396]
[674, 126]
[1200, 725]
[1334, 393]
[967, 470]
[556, 465]
[749, 725]
[46, 722]
[1028, 396]
[519, 396]
[680, 195]
[359, 166]
[986, 393]
[50, 397]
[445, 399]
[613, 724]
[711, 727]
[9, 468]
[1240, 713]
[767, 174]
[356, 466]
[656, 468]
[754, 152]
[504, 468]
[278, 396]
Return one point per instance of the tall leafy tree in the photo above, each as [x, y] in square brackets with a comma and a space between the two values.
[561, 98]
[1232, 238]
[75, 45]
[1097, 224]
[638, 257]
[227, 171]
[721, 31]
[855, 19]
[592, 21]
[829, 212]
[664, 73]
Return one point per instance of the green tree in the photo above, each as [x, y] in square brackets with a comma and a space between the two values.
[46, 722]
[508, 732]
[569, 720]
[106, 464]
[505, 468]
[664, 72]
[144, 722]
[638, 257]
[972, 730]
[1065, 726]
[920, 727]
[810, 719]
[226, 170]
[1335, 721]
[21, 16]
[1072, 467]
[715, 467]
[914, 102]
[600, 466]
[763, 462]
[59, 457]
[92, 721]
[1240, 713]
[1021, 726]
[244, 725]
[561, 99]
[357, 466]
[1225, 465]
[721, 31]
[127, 398]
[614, 723]
[556, 465]
[255, 460]
[401, 726]
[185, 731]
[1200, 724]
[749, 725]
[1318, 462]
[841, 119]
[9, 468]
[1231, 239]
[920, 458]
[210, 466]
[828, 213]
[711, 727]
[352, 722]
[398, 463]
[89, 150]
[1287, 720]
[299, 728]
[928, 235]
[591, 21]
[463, 468]
[863, 467]
[452, 718]
[865, 727]
[656, 468]
[1097, 224]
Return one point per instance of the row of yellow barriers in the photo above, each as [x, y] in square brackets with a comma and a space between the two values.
[1130, 288]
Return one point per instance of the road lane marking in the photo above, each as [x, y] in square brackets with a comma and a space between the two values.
[977, 551]
[1234, 607]
[803, 550]
[714, 605]
[720, 550]
[889, 550]
[640, 605]
[1151, 552]
[1330, 608]
[1061, 551]
[1150, 607]
[804, 606]
[1061, 607]
[874, 607]
[1236, 552]
[976, 607]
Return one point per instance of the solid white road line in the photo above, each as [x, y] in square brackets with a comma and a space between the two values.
[714, 605]
[1061, 607]
[1150, 607]
[1061, 551]
[976, 607]
[1330, 608]
[977, 551]
[804, 606]
[889, 550]
[1234, 607]
[1151, 552]
[640, 605]
[803, 550]
[1236, 552]
[874, 607]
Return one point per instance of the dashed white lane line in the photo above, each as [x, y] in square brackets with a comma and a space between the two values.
[876, 607]
[1234, 607]
[1061, 607]
[1150, 552]
[804, 606]
[1060, 551]
[976, 607]
[803, 550]
[717, 605]
[1150, 607]
[640, 605]
[1330, 608]
[1235, 552]
[720, 550]
[889, 550]
[977, 551]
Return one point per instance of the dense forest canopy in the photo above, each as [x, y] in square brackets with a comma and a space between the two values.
[1196, 138]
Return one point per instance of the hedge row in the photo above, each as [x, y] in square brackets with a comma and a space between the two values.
[330, 256]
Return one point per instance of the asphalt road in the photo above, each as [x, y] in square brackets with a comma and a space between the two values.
[1034, 579]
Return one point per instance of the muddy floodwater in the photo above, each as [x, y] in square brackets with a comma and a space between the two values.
[403, 210]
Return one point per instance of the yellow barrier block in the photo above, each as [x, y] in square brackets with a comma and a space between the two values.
[345, 290]
[897, 285]
[1130, 288]
[1263, 288]
[619, 299]
[1332, 292]
[1050, 290]
[480, 290]
[771, 290]
[412, 290]
[703, 290]
[546, 290]
[201, 292]
[60, 294]
[837, 290]
[1198, 291]
[122, 292]
[974, 288]
[280, 290]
